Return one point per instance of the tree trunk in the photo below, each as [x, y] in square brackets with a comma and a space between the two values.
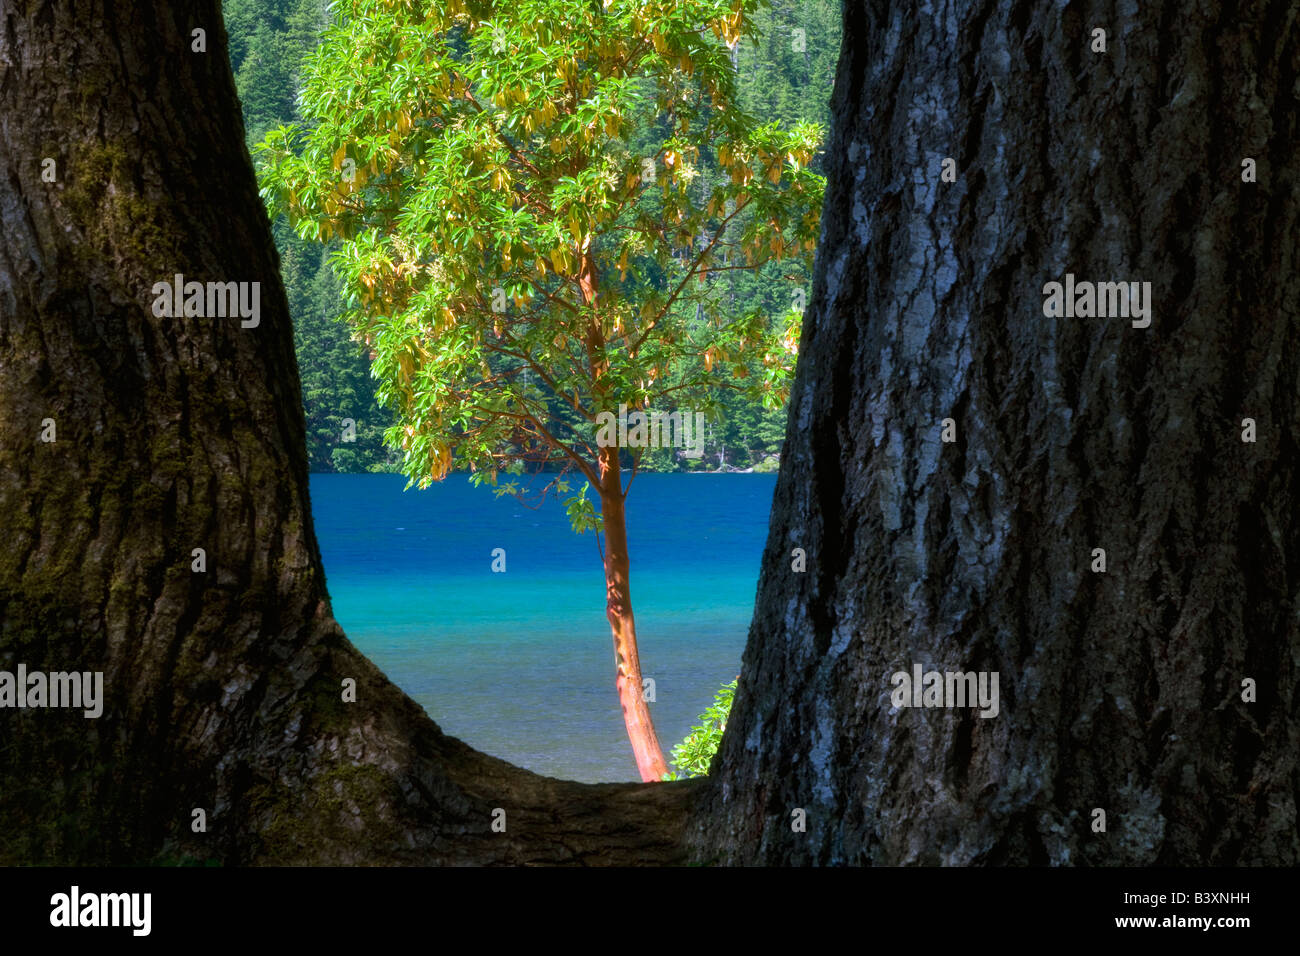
[1120, 690]
[618, 587]
[618, 608]
[224, 688]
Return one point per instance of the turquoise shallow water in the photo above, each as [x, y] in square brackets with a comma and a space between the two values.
[520, 664]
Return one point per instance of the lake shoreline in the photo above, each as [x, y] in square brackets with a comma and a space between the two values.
[491, 615]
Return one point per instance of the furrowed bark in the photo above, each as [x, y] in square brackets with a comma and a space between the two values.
[223, 688]
[1119, 690]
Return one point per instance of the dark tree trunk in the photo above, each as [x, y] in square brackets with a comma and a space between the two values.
[223, 688]
[1119, 690]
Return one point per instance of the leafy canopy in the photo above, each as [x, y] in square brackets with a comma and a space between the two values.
[527, 236]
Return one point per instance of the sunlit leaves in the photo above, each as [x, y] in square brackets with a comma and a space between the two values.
[581, 511]
[485, 166]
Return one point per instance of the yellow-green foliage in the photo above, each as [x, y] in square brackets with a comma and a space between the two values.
[525, 236]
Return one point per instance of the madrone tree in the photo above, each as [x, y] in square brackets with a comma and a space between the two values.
[533, 201]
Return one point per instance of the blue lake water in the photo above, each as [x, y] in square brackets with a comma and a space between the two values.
[521, 664]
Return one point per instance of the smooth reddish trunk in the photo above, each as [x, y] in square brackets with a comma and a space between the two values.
[618, 608]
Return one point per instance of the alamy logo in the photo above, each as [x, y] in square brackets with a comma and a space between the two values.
[949, 689]
[102, 909]
[215, 300]
[1103, 300]
[651, 430]
[83, 689]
